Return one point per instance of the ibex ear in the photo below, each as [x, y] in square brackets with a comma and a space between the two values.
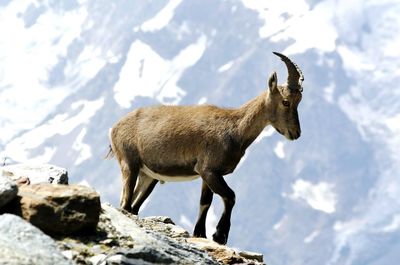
[273, 82]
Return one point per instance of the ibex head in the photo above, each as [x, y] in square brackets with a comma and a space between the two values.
[284, 100]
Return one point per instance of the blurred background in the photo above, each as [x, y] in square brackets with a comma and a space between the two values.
[70, 69]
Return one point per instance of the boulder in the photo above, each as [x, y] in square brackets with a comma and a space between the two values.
[41, 173]
[59, 209]
[21, 243]
[8, 190]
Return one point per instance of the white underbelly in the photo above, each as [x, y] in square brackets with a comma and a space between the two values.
[148, 172]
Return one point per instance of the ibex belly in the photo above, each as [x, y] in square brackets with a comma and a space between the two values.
[166, 178]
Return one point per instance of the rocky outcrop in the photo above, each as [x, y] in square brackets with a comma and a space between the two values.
[8, 190]
[22, 243]
[85, 232]
[37, 173]
[58, 209]
[122, 238]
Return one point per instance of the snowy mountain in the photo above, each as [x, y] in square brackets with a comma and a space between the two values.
[70, 69]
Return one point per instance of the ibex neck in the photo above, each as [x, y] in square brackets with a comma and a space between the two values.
[254, 117]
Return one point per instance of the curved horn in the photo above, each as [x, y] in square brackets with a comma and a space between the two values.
[295, 76]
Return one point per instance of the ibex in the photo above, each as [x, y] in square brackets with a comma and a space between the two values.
[182, 143]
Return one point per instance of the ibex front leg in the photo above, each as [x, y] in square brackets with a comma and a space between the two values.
[205, 202]
[218, 185]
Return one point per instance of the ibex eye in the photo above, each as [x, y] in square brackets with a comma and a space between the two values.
[285, 103]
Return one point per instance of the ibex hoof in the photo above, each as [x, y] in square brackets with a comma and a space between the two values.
[220, 237]
[199, 234]
[126, 208]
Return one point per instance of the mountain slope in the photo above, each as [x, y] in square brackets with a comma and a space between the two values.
[328, 198]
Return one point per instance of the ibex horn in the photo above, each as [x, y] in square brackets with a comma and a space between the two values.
[295, 76]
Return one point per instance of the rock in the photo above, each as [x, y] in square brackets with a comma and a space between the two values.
[8, 190]
[150, 247]
[21, 243]
[70, 254]
[43, 173]
[141, 255]
[252, 255]
[176, 231]
[23, 181]
[161, 219]
[123, 238]
[59, 209]
[224, 254]
[163, 225]
[97, 259]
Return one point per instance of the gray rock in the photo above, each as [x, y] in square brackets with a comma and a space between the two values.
[70, 254]
[160, 219]
[141, 255]
[150, 247]
[98, 259]
[123, 238]
[21, 243]
[8, 190]
[163, 225]
[40, 173]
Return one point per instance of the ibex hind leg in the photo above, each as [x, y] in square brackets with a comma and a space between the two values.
[129, 172]
[144, 187]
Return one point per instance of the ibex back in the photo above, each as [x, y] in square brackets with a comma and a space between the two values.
[181, 143]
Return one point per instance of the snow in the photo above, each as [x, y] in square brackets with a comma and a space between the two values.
[317, 22]
[279, 150]
[358, 38]
[162, 18]
[29, 53]
[354, 60]
[295, 20]
[85, 183]
[310, 238]
[185, 222]
[211, 221]
[226, 66]
[370, 60]
[267, 132]
[45, 157]
[154, 76]
[273, 13]
[328, 93]
[83, 149]
[393, 226]
[280, 223]
[88, 64]
[202, 101]
[319, 196]
[62, 124]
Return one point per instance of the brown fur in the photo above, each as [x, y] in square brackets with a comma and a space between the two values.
[200, 140]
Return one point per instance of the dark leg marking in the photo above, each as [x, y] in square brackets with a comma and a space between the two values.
[205, 202]
[142, 191]
[129, 176]
[218, 185]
